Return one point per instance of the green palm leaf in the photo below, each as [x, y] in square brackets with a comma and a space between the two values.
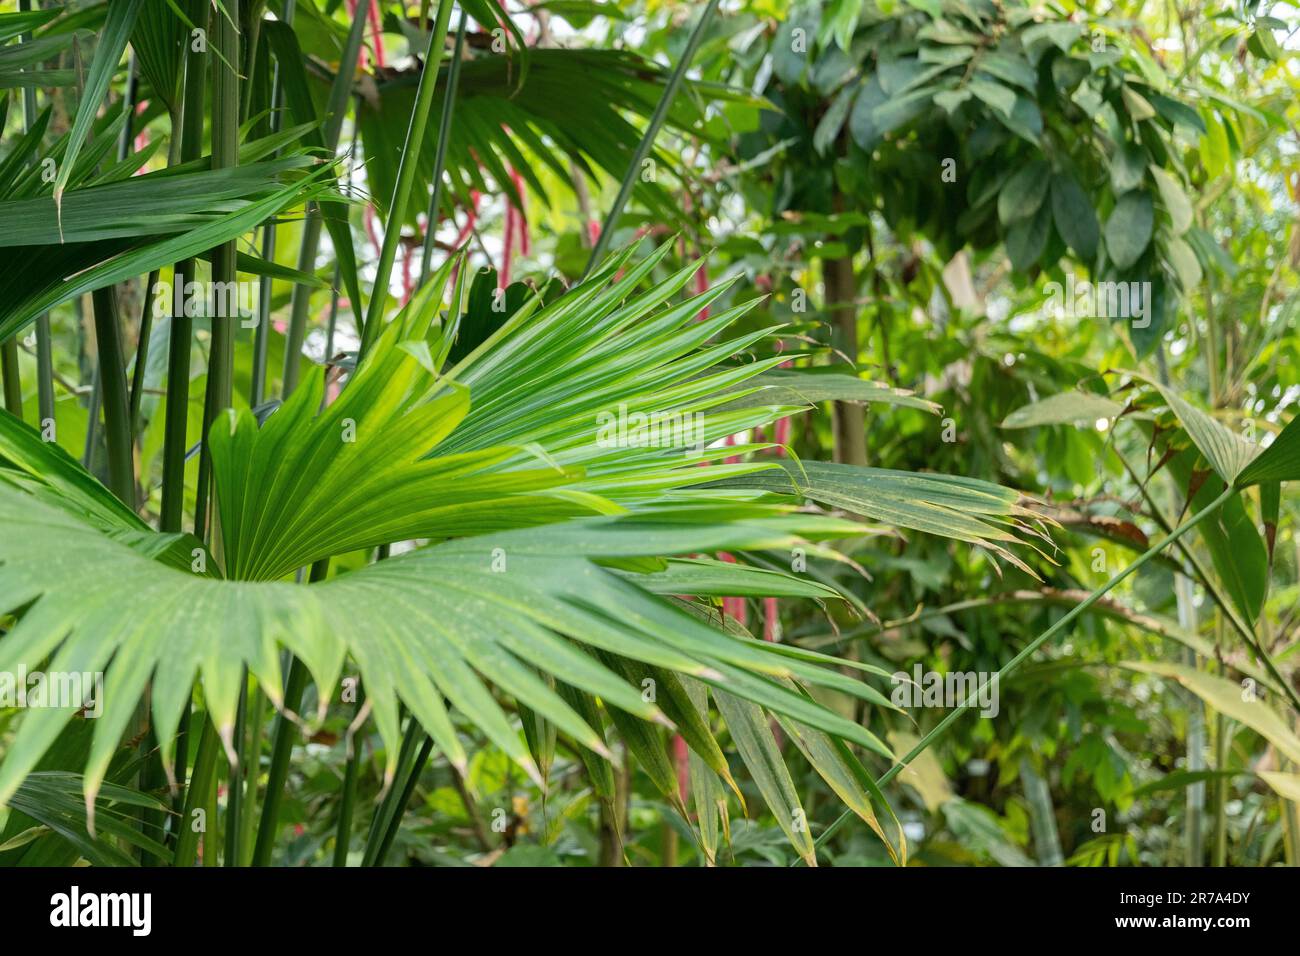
[549, 540]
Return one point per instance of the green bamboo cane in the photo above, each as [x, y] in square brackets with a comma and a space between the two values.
[647, 140]
[1029, 649]
[406, 168]
[13, 387]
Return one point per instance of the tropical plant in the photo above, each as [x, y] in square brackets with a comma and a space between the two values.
[472, 504]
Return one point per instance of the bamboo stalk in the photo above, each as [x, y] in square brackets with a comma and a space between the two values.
[13, 387]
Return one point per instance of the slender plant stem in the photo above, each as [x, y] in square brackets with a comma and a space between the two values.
[112, 380]
[444, 136]
[1033, 646]
[235, 780]
[13, 387]
[395, 818]
[44, 342]
[648, 138]
[250, 760]
[351, 773]
[261, 339]
[388, 807]
[1220, 791]
[335, 110]
[203, 780]
[180, 338]
[282, 739]
[225, 154]
[406, 167]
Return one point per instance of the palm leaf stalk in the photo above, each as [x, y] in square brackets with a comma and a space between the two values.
[440, 155]
[225, 154]
[406, 175]
[1007, 669]
[351, 773]
[282, 738]
[387, 816]
[647, 140]
[336, 109]
[285, 730]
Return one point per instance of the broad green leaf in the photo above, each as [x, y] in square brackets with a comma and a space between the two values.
[1175, 200]
[1226, 451]
[1280, 461]
[1128, 230]
[1027, 239]
[1074, 216]
[1024, 192]
[1064, 408]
